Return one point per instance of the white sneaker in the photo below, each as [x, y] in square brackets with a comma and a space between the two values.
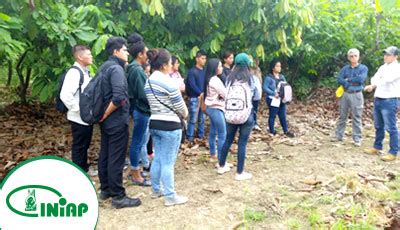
[92, 172]
[256, 127]
[357, 143]
[243, 176]
[155, 195]
[226, 163]
[176, 200]
[222, 170]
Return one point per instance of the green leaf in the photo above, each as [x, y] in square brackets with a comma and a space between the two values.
[100, 44]
[38, 85]
[194, 51]
[44, 94]
[5, 35]
[5, 17]
[260, 51]
[86, 35]
[71, 40]
[215, 46]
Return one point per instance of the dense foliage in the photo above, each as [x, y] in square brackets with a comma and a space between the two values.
[311, 37]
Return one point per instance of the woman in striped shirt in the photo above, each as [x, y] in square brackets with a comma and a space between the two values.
[167, 111]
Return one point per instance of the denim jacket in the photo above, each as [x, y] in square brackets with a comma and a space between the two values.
[352, 79]
[269, 84]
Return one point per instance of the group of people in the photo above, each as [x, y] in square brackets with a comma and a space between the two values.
[386, 83]
[151, 89]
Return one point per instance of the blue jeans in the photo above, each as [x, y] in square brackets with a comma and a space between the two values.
[385, 118]
[166, 146]
[140, 137]
[255, 110]
[281, 112]
[244, 133]
[195, 114]
[217, 127]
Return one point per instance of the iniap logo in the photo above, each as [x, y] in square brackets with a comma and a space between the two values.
[47, 192]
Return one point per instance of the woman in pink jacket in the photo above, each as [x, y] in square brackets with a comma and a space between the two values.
[214, 98]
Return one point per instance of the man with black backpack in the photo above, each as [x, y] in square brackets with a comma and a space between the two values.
[71, 87]
[114, 125]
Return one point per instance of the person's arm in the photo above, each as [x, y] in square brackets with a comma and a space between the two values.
[119, 91]
[178, 103]
[192, 83]
[361, 76]
[219, 86]
[141, 81]
[69, 89]
[376, 79]
[182, 86]
[393, 74]
[342, 79]
[110, 109]
[266, 86]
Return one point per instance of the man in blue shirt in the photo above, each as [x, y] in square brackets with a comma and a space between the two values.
[194, 88]
[351, 77]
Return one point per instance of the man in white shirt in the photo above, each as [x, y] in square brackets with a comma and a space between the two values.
[81, 131]
[386, 83]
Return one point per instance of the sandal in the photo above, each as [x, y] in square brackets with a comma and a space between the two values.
[144, 183]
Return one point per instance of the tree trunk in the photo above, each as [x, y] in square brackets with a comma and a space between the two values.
[10, 73]
[23, 83]
[379, 17]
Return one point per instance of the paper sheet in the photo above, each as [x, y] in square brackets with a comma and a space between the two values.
[276, 102]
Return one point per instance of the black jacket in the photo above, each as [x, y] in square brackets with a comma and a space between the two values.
[115, 89]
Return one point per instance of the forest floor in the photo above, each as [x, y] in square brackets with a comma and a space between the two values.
[306, 182]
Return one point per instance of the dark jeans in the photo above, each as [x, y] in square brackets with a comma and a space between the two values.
[81, 138]
[281, 112]
[140, 133]
[255, 110]
[244, 133]
[114, 143]
[385, 118]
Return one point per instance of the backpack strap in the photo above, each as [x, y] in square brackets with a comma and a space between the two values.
[81, 78]
[169, 107]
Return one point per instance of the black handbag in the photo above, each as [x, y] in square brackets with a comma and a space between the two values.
[183, 123]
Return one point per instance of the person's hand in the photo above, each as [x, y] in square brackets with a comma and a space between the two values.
[276, 95]
[369, 88]
[103, 118]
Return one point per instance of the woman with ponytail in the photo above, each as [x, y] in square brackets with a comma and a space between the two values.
[167, 111]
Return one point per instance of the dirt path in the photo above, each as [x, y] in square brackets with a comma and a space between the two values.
[303, 183]
[277, 197]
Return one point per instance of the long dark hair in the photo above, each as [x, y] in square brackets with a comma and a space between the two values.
[239, 73]
[272, 65]
[211, 71]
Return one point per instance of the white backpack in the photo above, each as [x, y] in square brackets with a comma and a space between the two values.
[285, 91]
[238, 104]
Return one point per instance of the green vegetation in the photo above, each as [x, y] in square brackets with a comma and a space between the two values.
[310, 37]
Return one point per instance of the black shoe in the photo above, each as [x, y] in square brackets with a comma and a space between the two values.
[125, 202]
[104, 195]
[289, 134]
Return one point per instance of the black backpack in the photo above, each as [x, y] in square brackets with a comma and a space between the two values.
[91, 103]
[60, 106]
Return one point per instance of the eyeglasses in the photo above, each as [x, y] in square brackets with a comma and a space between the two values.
[351, 56]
